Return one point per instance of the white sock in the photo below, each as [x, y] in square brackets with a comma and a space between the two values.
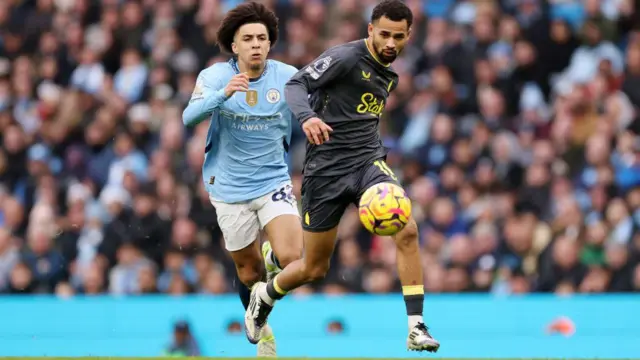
[262, 292]
[414, 320]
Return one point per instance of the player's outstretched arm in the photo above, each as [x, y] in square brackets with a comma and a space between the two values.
[331, 65]
[209, 93]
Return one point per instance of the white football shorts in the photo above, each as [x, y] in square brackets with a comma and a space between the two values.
[241, 222]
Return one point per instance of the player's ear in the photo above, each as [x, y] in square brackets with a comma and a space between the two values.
[234, 48]
[370, 29]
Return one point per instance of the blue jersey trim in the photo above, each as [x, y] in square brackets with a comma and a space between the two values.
[234, 65]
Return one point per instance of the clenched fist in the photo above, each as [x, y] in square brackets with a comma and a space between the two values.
[239, 82]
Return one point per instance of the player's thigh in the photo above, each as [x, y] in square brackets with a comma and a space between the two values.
[241, 230]
[324, 201]
[375, 173]
[279, 216]
[239, 224]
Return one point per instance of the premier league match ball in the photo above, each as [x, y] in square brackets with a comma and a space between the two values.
[385, 209]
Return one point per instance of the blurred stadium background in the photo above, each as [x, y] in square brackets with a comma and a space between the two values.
[515, 129]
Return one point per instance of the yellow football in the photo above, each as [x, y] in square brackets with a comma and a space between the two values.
[385, 209]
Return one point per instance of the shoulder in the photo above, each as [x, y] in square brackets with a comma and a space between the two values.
[282, 68]
[222, 66]
[339, 57]
[216, 71]
[351, 51]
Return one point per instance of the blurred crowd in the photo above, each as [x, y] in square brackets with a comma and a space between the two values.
[514, 128]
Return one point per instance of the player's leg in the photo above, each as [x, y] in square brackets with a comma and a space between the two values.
[323, 203]
[241, 230]
[321, 222]
[250, 268]
[278, 213]
[279, 216]
[313, 266]
[409, 266]
[244, 292]
[271, 263]
[408, 262]
[272, 266]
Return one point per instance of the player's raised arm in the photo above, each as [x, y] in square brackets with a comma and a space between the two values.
[210, 92]
[207, 95]
[329, 66]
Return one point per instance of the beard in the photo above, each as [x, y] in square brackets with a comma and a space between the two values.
[385, 57]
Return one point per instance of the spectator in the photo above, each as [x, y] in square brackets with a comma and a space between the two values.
[21, 280]
[147, 279]
[183, 342]
[123, 278]
[214, 282]
[9, 257]
[514, 127]
[45, 263]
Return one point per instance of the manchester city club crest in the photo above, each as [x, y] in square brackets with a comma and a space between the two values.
[252, 97]
[273, 96]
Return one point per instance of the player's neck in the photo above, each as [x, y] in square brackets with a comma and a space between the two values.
[253, 73]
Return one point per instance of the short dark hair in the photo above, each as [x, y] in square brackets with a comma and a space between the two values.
[247, 13]
[395, 10]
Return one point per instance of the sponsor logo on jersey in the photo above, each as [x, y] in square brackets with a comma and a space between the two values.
[369, 104]
[250, 127]
[251, 123]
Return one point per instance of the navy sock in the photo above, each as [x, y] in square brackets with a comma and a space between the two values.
[245, 294]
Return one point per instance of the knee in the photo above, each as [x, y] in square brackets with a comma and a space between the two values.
[250, 274]
[407, 238]
[315, 271]
[287, 257]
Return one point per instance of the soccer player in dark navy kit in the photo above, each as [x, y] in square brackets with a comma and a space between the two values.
[338, 99]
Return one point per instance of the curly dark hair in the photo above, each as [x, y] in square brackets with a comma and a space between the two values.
[246, 13]
[395, 10]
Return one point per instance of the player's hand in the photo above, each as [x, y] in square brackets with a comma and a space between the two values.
[317, 131]
[239, 82]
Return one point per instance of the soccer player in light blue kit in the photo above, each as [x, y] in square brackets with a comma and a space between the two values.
[244, 170]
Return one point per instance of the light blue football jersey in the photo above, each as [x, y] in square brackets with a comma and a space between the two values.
[249, 132]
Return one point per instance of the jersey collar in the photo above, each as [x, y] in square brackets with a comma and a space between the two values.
[234, 65]
[374, 55]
